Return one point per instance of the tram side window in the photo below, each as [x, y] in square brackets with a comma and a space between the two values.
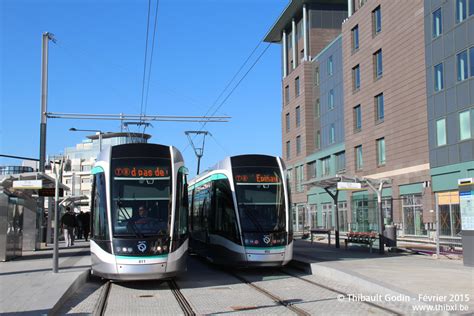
[99, 208]
[225, 222]
[181, 216]
[201, 207]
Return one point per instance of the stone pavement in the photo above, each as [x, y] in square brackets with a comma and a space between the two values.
[395, 273]
[29, 287]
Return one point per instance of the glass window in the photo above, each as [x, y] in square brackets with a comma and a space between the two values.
[316, 76]
[311, 169]
[297, 86]
[331, 99]
[287, 94]
[317, 108]
[298, 116]
[288, 150]
[381, 151]
[318, 139]
[437, 23]
[298, 145]
[377, 20]
[355, 37]
[438, 77]
[471, 7]
[330, 66]
[441, 132]
[379, 108]
[471, 58]
[287, 122]
[332, 134]
[357, 118]
[358, 157]
[325, 166]
[99, 208]
[356, 78]
[181, 217]
[225, 220]
[461, 59]
[378, 67]
[340, 161]
[413, 215]
[465, 125]
[461, 10]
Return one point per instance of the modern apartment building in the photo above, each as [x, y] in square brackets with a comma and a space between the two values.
[449, 40]
[304, 29]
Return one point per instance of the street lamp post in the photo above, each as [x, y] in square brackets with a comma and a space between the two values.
[73, 129]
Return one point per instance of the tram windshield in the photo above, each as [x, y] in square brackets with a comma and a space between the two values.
[260, 197]
[141, 190]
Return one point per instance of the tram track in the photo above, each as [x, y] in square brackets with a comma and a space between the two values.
[346, 295]
[100, 307]
[181, 299]
[275, 298]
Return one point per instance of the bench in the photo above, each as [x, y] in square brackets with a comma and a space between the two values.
[361, 238]
[321, 231]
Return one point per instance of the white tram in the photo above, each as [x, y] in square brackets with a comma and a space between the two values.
[240, 212]
[139, 212]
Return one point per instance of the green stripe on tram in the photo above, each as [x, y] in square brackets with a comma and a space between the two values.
[214, 177]
[96, 170]
[142, 257]
[266, 248]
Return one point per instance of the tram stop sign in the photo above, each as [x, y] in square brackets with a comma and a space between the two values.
[466, 201]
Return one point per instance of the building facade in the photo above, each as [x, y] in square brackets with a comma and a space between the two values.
[304, 29]
[385, 94]
[449, 58]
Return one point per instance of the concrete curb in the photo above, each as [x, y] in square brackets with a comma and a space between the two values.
[80, 281]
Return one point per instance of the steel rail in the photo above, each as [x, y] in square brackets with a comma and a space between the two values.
[386, 309]
[182, 301]
[101, 305]
[274, 297]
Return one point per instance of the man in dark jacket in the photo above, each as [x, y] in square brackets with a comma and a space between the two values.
[86, 224]
[68, 224]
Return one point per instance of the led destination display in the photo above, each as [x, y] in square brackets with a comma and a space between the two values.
[141, 172]
[257, 178]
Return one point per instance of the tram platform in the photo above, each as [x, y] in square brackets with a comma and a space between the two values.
[395, 273]
[29, 287]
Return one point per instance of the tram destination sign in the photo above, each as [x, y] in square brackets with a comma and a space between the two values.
[141, 171]
[257, 178]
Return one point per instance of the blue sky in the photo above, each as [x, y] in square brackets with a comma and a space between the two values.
[97, 67]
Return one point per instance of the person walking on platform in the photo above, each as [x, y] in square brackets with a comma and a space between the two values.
[86, 224]
[68, 223]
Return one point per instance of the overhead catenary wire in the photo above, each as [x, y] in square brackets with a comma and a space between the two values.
[236, 85]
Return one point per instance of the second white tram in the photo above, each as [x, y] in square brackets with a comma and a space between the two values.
[139, 227]
[240, 212]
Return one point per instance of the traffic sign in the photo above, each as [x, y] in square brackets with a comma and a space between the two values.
[349, 186]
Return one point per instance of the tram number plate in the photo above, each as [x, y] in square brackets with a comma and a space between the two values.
[267, 251]
[142, 261]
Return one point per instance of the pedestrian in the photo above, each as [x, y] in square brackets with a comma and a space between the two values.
[68, 224]
[86, 224]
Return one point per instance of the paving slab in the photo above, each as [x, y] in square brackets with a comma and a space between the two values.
[29, 287]
[426, 280]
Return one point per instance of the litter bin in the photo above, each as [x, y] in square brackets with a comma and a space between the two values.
[390, 234]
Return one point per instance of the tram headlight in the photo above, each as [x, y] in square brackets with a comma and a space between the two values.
[158, 249]
[165, 248]
[124, 249]
[130, 249]
[117, 249]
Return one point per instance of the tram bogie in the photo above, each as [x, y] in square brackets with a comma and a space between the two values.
[240, 212]
[139, 208]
